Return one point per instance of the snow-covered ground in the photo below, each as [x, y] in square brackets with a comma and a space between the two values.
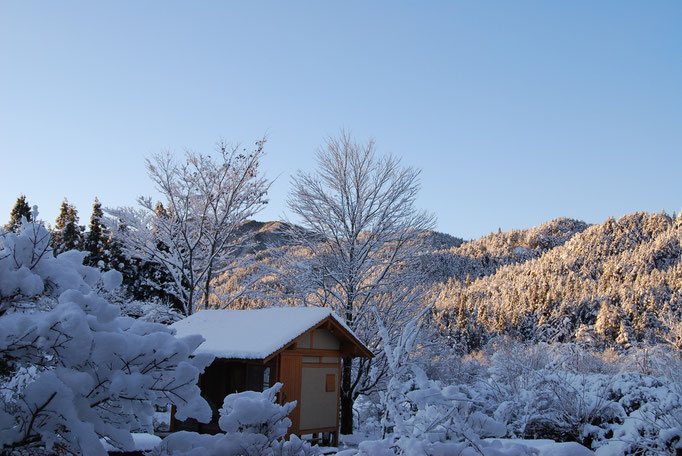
[142, 442]
[348, 446]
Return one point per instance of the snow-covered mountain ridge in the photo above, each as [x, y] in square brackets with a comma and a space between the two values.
[616, 283]
[609, 284]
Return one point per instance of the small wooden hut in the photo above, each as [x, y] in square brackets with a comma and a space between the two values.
[301, 347]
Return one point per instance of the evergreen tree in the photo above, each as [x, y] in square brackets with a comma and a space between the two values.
[20, 209]
[67, 234]
[60, 225]
[142, 280]
[97, 239]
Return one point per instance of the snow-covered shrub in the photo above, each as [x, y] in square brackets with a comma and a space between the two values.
[651, 417]
[368, 413]
[257, 414]
[253, 425]
[153, 311]
[565, 393]
[74, 370]
[420, 415]
[539, 393]
[627, 403]
[546, 391]
[162, 418]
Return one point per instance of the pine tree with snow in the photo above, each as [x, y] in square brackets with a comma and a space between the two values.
[20, 209]
[97, 239]
[623, 338]
[67, 234]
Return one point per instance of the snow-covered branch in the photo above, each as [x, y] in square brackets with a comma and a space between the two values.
[195, 236]
[87, 372]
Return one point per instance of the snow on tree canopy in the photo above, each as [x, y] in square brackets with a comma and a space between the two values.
[251, 334]
[73, 370]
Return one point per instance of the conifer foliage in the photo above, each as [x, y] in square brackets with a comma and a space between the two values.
[20, 209]
[67, 234]
[97, 237]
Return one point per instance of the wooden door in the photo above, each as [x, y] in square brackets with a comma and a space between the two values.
[290, 376]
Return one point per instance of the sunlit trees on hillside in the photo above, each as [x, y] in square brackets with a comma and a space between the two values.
[614, 284]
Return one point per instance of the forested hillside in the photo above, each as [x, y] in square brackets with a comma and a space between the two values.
[467, 261]
[614, 283]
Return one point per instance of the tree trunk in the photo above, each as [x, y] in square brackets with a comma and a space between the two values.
[189, 309]
[209, 276]
[207, 286]
[346, 397]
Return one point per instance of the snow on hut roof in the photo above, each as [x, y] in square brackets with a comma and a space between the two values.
[251, 334]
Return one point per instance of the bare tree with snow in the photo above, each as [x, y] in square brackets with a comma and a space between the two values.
[195, 236]
[360, 250]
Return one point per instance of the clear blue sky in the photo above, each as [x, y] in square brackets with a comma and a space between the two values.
[516, 112]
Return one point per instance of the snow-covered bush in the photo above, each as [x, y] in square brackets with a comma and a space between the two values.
[544, 392]
[420, 415]
[154, 311]
[651, 414]
[618, 404]
[253, 425]
[74, 370]
[565, 393]
[255, 413]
